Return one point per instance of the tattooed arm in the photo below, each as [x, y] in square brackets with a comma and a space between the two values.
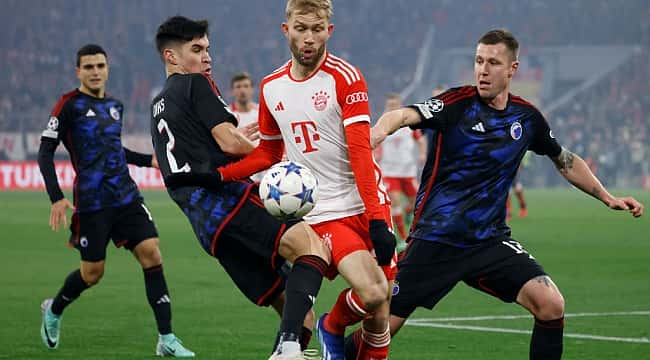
[576, 171]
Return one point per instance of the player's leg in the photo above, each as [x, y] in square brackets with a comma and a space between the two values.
[89, 235]
[410, 190]
[393, 185]
[367, 294]
[134, 229]
[426, 273]
[519, 192]
[308, 323]
[310, 257]
[543, 299]
[504, 269]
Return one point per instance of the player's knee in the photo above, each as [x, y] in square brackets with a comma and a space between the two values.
[374, 295]
[92, 274]
[551, 307]
[148, 253]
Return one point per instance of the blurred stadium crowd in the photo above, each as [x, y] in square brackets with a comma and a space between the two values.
[608, 123]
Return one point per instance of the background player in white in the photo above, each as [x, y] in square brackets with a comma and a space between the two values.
[317, 105]
[246, 110]
[399, 162]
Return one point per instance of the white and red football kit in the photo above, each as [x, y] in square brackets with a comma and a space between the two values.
[324, 123]
[245, 118]
[399, 162]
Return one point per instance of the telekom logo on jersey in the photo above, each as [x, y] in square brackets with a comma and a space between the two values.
[306, 131]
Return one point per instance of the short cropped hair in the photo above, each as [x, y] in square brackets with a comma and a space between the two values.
[90, 49]
[310, 6]
[239, 77]
[179, 29]
[502, 36]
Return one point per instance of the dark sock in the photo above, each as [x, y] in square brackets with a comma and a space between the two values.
[73, 286]
[158, 296]
[305, 337]
[352, 344]
[302, 288]
[546, 342]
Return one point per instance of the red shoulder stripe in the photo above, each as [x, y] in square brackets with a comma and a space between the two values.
[61, 103]
[213, 86]
[518, 100]
[456, 96]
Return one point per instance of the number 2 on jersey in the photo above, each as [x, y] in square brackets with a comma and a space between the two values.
[173, 165]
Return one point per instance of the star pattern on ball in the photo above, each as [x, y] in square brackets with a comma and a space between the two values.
[292, 167]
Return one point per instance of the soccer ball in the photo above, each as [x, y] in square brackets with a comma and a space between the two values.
[289, 190]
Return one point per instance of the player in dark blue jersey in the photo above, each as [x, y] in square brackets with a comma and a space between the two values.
[459, 231]
[194, 132]
[107, 201]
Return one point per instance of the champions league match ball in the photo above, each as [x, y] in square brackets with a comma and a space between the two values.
[289, 190]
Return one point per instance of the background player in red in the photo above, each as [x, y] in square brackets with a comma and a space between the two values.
[107, 201]
[246, 110]
[399, 157]
[317, 106]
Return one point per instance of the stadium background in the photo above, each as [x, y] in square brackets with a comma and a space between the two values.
[584, 63]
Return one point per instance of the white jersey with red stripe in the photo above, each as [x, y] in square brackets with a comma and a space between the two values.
[309, 115]
[247, 117]
[398, 153]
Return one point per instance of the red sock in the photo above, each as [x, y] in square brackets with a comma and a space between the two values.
[374, 346]
[400, 224]
[508, 210]
[348, 310]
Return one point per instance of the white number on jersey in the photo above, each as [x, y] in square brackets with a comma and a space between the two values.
[173, 165]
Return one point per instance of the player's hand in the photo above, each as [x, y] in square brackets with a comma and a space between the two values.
[383, 241]
[58, 213]
[627, 203]
[251, 131]
[377, 136]
[210, 180]
[154, 161]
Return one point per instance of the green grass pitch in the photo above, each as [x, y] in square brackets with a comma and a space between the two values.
[599, 259]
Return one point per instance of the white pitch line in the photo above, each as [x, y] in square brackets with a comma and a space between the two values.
[526, 316]
[528, 332]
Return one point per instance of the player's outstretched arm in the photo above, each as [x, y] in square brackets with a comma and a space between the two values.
[577, 172]
[392, 121]
[231, 140]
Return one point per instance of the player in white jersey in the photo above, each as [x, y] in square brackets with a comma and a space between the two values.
[246, 110]
[317, 106]
[399, 162]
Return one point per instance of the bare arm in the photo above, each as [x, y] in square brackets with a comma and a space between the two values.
[422, 149]
[231, 140]
[577, 172]
[391, 122]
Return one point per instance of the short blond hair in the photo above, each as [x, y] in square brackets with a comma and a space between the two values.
[310, 6]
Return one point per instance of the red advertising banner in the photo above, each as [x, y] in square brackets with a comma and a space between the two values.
[25, 175]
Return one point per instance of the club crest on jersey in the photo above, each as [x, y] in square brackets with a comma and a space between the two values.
[320, 100]
[516, 130]
[115, 114]
[395, 288]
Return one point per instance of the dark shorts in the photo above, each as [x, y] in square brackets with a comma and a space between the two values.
[126, 225]
[246, 244]
[429, 270]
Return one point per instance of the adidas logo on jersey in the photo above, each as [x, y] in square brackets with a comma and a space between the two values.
[164, 299]
[90, 113]
[479, 127]
[279, 107]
